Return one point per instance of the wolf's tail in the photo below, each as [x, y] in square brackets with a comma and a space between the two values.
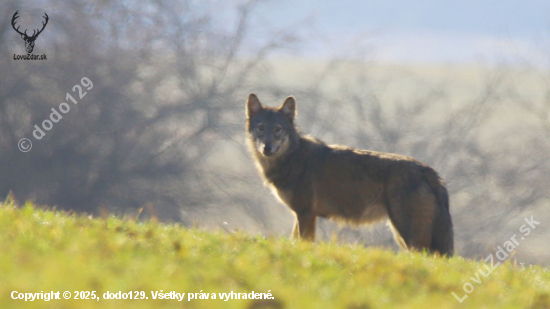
[442, 233]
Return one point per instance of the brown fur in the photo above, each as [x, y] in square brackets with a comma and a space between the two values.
[358, 186]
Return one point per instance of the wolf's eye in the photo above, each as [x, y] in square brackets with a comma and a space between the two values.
[260, 128]
[278, 130]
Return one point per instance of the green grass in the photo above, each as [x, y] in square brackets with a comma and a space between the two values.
[43, 250]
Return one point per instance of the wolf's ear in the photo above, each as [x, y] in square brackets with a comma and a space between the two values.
[253, 106]
[289, 108]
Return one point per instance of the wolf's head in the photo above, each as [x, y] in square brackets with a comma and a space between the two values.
[271, 130]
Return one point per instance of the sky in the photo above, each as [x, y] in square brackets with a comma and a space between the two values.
[417, 31]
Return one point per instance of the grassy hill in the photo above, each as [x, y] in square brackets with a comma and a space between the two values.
[48, 251]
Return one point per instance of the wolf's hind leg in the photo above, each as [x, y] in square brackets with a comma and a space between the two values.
[421, 233]
[415, 234]
[397, 236]
[412, 216]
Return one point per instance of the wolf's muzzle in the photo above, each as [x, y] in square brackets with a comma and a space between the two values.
[269, 150]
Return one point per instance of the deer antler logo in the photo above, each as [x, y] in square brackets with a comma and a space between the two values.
[29, 40]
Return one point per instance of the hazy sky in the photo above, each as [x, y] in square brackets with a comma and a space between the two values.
[421, 31]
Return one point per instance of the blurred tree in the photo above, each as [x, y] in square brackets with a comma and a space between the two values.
[167, 83]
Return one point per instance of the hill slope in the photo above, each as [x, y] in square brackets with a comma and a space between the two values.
[49, 252]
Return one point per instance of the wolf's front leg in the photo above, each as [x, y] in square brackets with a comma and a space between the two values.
[296, 229]
[305, 225]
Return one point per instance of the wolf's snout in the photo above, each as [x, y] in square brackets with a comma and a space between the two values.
[269, 150]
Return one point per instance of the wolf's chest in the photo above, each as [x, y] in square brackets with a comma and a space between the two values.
[284, 195]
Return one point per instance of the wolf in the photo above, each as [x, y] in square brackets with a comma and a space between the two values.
[354, 186]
